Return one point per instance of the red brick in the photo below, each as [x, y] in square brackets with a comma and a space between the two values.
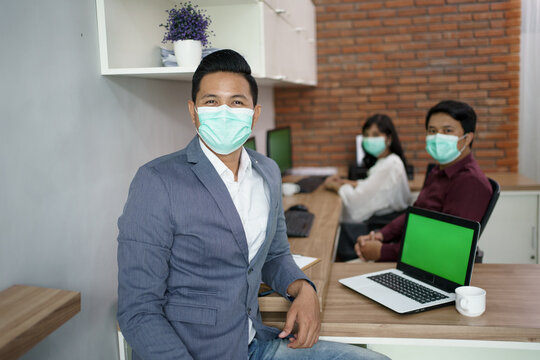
[489, 33]
[339, 8]
[397, 22]
[427, 20]
[457, 17]
[429, 2]
[475, 60]
[491, 68]
[442, 27]
[399, 3]
[473, 8]
[382, 13]
[442, 10]
[367, 23]
[412, 12]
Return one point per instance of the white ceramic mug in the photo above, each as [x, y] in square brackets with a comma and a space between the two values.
[289, 189]
[470, 300]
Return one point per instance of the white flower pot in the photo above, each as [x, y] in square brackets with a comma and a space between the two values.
[188, 52]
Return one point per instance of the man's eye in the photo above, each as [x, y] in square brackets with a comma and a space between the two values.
[238, 102]
[210, 102]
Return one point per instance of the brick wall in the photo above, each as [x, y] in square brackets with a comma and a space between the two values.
[401, 57]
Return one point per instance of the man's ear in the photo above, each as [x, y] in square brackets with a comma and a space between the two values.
[192, 113]
[469, 137]
[256, 113]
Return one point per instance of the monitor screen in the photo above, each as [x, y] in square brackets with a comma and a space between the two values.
[438, 247]
[250, 143]
[278, 147]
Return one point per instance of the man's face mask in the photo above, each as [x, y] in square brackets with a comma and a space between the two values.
[443, 148]
[224, 129]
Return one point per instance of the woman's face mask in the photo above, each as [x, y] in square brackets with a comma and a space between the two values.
[224, 129]
[374, 146]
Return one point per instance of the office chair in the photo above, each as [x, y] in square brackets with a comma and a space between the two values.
[496, 191]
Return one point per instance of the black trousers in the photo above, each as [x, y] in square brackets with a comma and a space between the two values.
[347, 239]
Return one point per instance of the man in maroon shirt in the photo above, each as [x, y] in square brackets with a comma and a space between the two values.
[455, 186]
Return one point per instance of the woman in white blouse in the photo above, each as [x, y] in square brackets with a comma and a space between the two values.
[386, 189]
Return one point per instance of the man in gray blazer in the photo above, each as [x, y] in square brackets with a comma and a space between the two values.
[201, 228]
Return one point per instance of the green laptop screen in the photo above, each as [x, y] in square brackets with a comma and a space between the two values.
[438, 247]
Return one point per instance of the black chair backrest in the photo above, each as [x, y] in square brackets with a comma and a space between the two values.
[491, 205]
[430, 167]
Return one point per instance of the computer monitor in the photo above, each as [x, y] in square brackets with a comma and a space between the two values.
[250, 143]
[278, 147]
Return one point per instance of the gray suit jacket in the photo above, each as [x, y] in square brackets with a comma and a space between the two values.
[185, 286]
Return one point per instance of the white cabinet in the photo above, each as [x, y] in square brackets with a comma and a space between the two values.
[277, 38]
[511, 235]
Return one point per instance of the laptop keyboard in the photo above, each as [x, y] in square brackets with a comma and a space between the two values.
[407, 287]
[310, 183]
[298, 223]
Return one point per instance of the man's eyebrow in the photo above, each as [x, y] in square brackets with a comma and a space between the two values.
[208, 96]
[239, 96]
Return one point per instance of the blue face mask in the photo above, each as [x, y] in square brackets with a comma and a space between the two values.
[224, 129]
[374, 145]
[443, 148]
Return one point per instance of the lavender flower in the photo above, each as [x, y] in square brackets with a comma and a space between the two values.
[187, 22]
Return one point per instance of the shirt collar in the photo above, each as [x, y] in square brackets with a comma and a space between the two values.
[453, 169]
[244, 168]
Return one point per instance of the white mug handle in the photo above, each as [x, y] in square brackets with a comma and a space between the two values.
[463, 303]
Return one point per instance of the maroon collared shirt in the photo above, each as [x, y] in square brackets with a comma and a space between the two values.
[461, 189]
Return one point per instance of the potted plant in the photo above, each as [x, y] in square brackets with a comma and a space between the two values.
[187, 28]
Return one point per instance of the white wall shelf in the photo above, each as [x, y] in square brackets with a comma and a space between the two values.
[276, 37]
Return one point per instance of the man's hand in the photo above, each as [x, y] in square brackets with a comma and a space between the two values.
[368, 247]
[305, 312]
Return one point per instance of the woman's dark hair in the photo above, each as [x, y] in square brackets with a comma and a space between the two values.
[386, 126]
[459, 111]
[227, 61]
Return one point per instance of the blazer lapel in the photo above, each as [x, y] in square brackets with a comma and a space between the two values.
[270, 182]
[211, 180]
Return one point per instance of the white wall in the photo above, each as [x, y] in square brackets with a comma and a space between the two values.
[70, 143]
[529, 94]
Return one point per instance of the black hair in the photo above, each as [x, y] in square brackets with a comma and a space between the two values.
[385, 125]
[227, 61]
[458, 110]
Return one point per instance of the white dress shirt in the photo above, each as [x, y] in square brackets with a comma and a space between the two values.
[385, 190]
[251, 198]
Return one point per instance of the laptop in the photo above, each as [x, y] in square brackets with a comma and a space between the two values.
[437, 256]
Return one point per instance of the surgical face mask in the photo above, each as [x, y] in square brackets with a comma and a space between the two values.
[374, 145]
[443, 148]
[224, 129]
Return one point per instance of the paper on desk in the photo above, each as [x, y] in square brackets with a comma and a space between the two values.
[304, 262]
[314, 171]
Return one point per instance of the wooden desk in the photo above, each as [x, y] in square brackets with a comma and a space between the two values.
[320, 244]
[30, 313]
[507, 181]
[513, 300]
[512, 311]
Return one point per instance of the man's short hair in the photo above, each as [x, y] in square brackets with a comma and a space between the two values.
[458, 110]
[227, 61]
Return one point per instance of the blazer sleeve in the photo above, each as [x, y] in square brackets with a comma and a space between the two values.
[279, 269]
[144, 248]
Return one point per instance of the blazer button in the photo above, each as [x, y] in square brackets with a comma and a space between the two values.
[250, 271]
[249, 311]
